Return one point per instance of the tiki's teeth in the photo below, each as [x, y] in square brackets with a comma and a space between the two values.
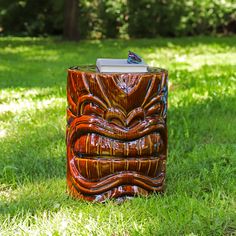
[95, 169]
[94, 144]
[105, 146]
[118, 148]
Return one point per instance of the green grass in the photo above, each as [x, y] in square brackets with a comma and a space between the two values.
[201, 171]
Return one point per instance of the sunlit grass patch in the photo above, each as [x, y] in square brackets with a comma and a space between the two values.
[201, 174]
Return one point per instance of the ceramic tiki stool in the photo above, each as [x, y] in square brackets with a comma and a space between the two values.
[116, 133]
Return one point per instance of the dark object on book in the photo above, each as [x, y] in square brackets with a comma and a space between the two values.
[116, 133]
[133, 58]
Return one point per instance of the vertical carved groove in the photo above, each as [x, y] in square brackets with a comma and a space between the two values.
[104, 96]
[157, 163]
[98, 169]
[149, 166]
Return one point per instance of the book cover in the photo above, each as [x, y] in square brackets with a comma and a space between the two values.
[119, 65]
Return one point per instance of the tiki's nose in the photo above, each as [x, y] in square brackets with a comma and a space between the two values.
[116, 116]
[135, 116]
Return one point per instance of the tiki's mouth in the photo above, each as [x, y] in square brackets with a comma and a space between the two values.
[95, 145]
[101, 150]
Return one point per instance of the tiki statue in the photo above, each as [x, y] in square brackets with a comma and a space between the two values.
[116, 133]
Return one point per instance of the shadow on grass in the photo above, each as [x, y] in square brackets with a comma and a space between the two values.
[144, 43]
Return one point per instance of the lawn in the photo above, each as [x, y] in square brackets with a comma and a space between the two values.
[200, 196]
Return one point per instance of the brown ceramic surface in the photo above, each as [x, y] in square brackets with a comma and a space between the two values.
[116, 133]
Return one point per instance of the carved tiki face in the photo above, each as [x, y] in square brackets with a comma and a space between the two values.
[116, 134]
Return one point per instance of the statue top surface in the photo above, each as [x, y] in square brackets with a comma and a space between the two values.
[93, 69]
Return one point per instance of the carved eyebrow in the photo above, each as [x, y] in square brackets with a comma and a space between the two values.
[89, 98]
[153, 101]
[85, 81]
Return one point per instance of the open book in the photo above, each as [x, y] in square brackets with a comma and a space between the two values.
[120, 66]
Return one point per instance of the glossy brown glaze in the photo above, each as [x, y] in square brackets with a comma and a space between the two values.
[116, 133]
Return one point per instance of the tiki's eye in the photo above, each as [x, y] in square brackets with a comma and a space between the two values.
[155, 110]
[133, 58]
[90, 108]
